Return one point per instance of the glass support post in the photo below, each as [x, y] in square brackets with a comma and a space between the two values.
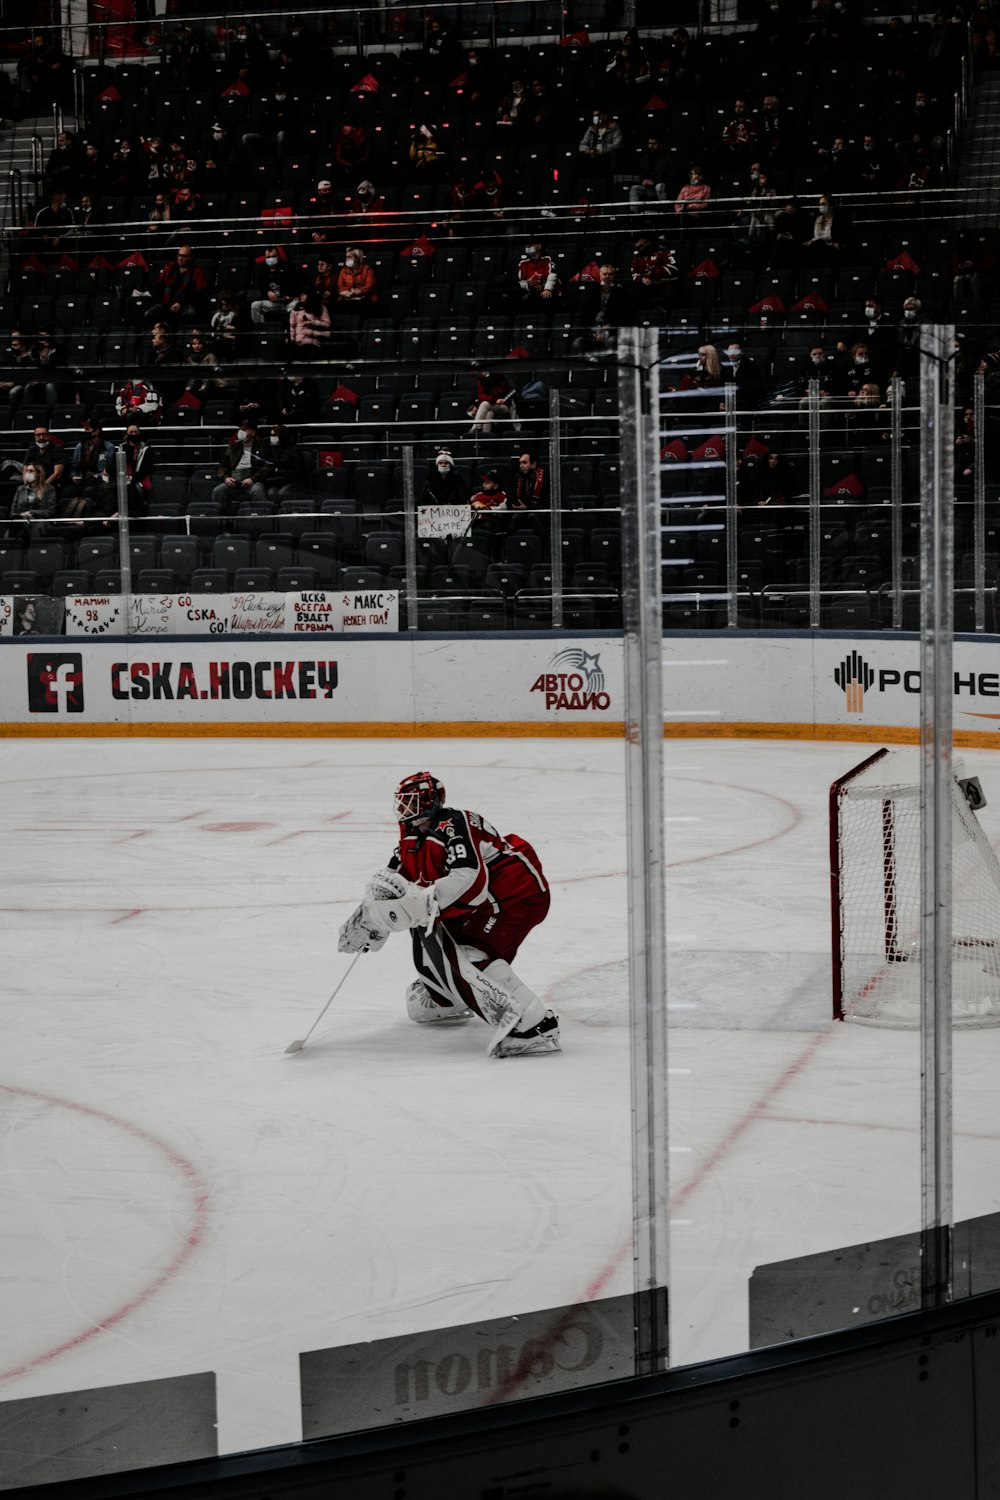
[638, 389]
[124, 547]
[896, 480]
[732, 532]
[814, 506]
[936, 688]
[979, 496]
[410, 536]
[555, 509]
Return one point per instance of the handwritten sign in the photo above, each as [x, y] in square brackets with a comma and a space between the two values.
[95, 614]
[256, 614]
[443, 520]
[376, 610]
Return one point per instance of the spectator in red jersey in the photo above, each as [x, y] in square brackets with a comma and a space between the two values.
[491, 497]
[653, 272]
[351, 151]
[537, 276]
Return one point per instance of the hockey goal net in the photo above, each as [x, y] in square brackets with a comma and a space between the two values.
[875, 878]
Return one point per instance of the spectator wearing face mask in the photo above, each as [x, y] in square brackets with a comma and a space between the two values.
[48, 453]
[247, 59]
[273, 285]
[357, 290]
[691, 199]
[91, 483]
[443, 484]
[139, 465]
[652, 168]
[308, 324]
[34, 503]
[284, 469]
[601, 142]
[743, 372]
[537, 276]
[240, 464]
[880, 337]
[831, 233]
[367, 201]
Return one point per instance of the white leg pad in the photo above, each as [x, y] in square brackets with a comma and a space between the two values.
[423, 1007]
[523, 1011]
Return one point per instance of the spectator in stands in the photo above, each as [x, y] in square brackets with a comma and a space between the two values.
[240, 464]
[869, 168]
[185, 209]
[602, 142]
[440, 56]
[653, 168]
[20, 360]
[308, 325]
[867, 415]
[93, 173]
[53, 222]
[908, 331]
[739, 134]
[743, 372]
[227, 323]
[91, 489]
[541, 115]
[49, 360]
[443, 484]
[62, 170]
[771, 129]
[493, 402]
[126, 169]
[537, 276]
[200, 382]
[602, 307]
[351, 152]
[160, 211]
[247, 59]
[831, 232]
[284, 469]
[322, 210]
[478, 89]
[693, 196]
[44, 75]
[34, 503]
[791, 225]
[816, 365]
[491, 497]
[837, 164]
[653, 272]
[273, 285]
[190, 61]
[426, 151]
[858, 369]
[139, 402]
[685, 63]
[367, 202]
[298, 401]
[325, 281]
[357, 290]
[139, 466]
[880, 338]
[969, 263]
[162, 353]
[759, 215]
[179, 291]
[277, 121]
[772, 482]
[531, 487]
[47, 452]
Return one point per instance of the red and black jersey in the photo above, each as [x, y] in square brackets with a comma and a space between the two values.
[469, 863]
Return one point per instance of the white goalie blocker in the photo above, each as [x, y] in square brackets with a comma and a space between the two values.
[875, 878]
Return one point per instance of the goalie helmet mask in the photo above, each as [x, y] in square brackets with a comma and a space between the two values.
[419, 796]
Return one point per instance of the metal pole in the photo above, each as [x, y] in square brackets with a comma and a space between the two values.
[124, 547]
[555, 509]
[638, 395]
[896, 480]
[732, 531]
[815, 520]
[979, 495]
[936, 687]
[410, 536]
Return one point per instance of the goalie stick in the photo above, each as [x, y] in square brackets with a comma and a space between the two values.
[297, 1046]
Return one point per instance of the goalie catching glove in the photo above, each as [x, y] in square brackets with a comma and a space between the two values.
[391, 904]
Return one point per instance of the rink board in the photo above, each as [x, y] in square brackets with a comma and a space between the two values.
[812, 686]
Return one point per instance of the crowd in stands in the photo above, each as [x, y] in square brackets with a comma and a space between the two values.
[267, 263]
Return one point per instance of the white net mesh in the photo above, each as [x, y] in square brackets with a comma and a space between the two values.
[876, 856]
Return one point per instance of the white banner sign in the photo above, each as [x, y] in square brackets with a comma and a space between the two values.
[443, 520]
[309, 613]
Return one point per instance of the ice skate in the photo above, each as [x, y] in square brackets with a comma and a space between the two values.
[541, 1038]
[422, 1007]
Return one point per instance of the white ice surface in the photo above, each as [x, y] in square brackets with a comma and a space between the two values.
[177, 1194]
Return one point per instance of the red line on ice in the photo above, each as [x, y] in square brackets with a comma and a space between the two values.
[757, 1111]
[190, 1242]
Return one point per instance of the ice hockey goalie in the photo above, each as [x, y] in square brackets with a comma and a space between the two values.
[468, 896]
